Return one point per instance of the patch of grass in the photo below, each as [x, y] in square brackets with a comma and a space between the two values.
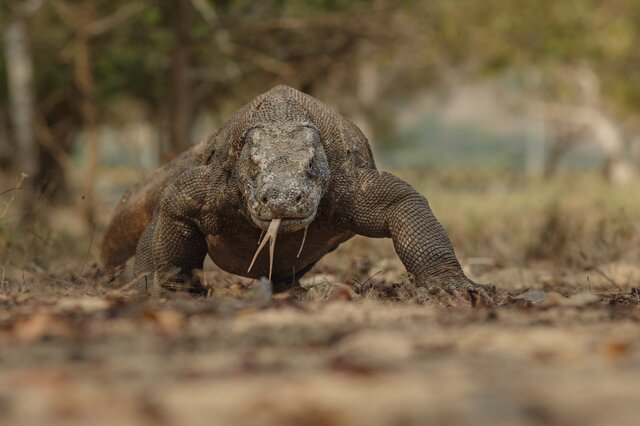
[515, 220]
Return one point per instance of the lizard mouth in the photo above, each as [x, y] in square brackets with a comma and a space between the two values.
[287, 224]
[270, 237]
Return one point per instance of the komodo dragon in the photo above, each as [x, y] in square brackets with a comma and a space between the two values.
[286, 166]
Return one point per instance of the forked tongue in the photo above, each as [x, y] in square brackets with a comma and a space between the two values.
[270, 236]
[304, 238]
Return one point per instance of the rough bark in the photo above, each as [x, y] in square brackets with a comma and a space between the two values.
[84, 79]
[20, 82]
[181, 111]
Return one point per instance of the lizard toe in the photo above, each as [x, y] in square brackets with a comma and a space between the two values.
[463, 290]
[179, 285]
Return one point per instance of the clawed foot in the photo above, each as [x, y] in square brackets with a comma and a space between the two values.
[178, 285]
[464, 289]
[188, 288]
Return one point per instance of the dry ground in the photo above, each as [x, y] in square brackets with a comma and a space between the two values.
[362, 345]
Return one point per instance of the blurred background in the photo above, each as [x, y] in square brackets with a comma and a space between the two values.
[518, 119]
[529, 102]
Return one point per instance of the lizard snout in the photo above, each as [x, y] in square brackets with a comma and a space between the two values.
[283, 202]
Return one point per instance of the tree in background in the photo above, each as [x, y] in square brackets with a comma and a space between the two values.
[20, 90]
[178, 58]
[181, 109]
[84, 25]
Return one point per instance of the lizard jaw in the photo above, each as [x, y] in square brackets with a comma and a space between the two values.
[287, 224]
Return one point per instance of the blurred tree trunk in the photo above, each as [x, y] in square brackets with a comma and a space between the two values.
[20, 85]
[80, 17]
[571, 125]
[83, 75]
[7, 152]
[181, 110]
[561, 140]
[581, 121]
[634, 147]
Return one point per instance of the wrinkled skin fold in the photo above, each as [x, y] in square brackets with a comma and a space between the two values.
[284, 168]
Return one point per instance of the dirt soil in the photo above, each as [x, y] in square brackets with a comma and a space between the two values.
[363, 347]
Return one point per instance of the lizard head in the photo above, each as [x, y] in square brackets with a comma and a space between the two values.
[283, 174]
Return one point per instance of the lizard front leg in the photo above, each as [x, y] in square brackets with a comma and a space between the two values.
[174, 244]
[386, 206]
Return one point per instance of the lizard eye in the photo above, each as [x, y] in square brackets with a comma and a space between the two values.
[311, 170]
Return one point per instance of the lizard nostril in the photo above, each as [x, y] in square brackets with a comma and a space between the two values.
[299, 198]
[264, 199]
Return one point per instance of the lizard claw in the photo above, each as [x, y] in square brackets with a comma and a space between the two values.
[178, 284]
[463, 289]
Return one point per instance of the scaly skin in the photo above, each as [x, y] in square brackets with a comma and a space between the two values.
[284, 155]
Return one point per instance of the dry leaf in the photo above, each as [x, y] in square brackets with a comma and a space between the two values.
[614, 351]
[170, 321]
[582, 299]
[84, 304]
[39, 325]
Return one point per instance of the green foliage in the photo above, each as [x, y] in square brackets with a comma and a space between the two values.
[318, 45]
[132, 59]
